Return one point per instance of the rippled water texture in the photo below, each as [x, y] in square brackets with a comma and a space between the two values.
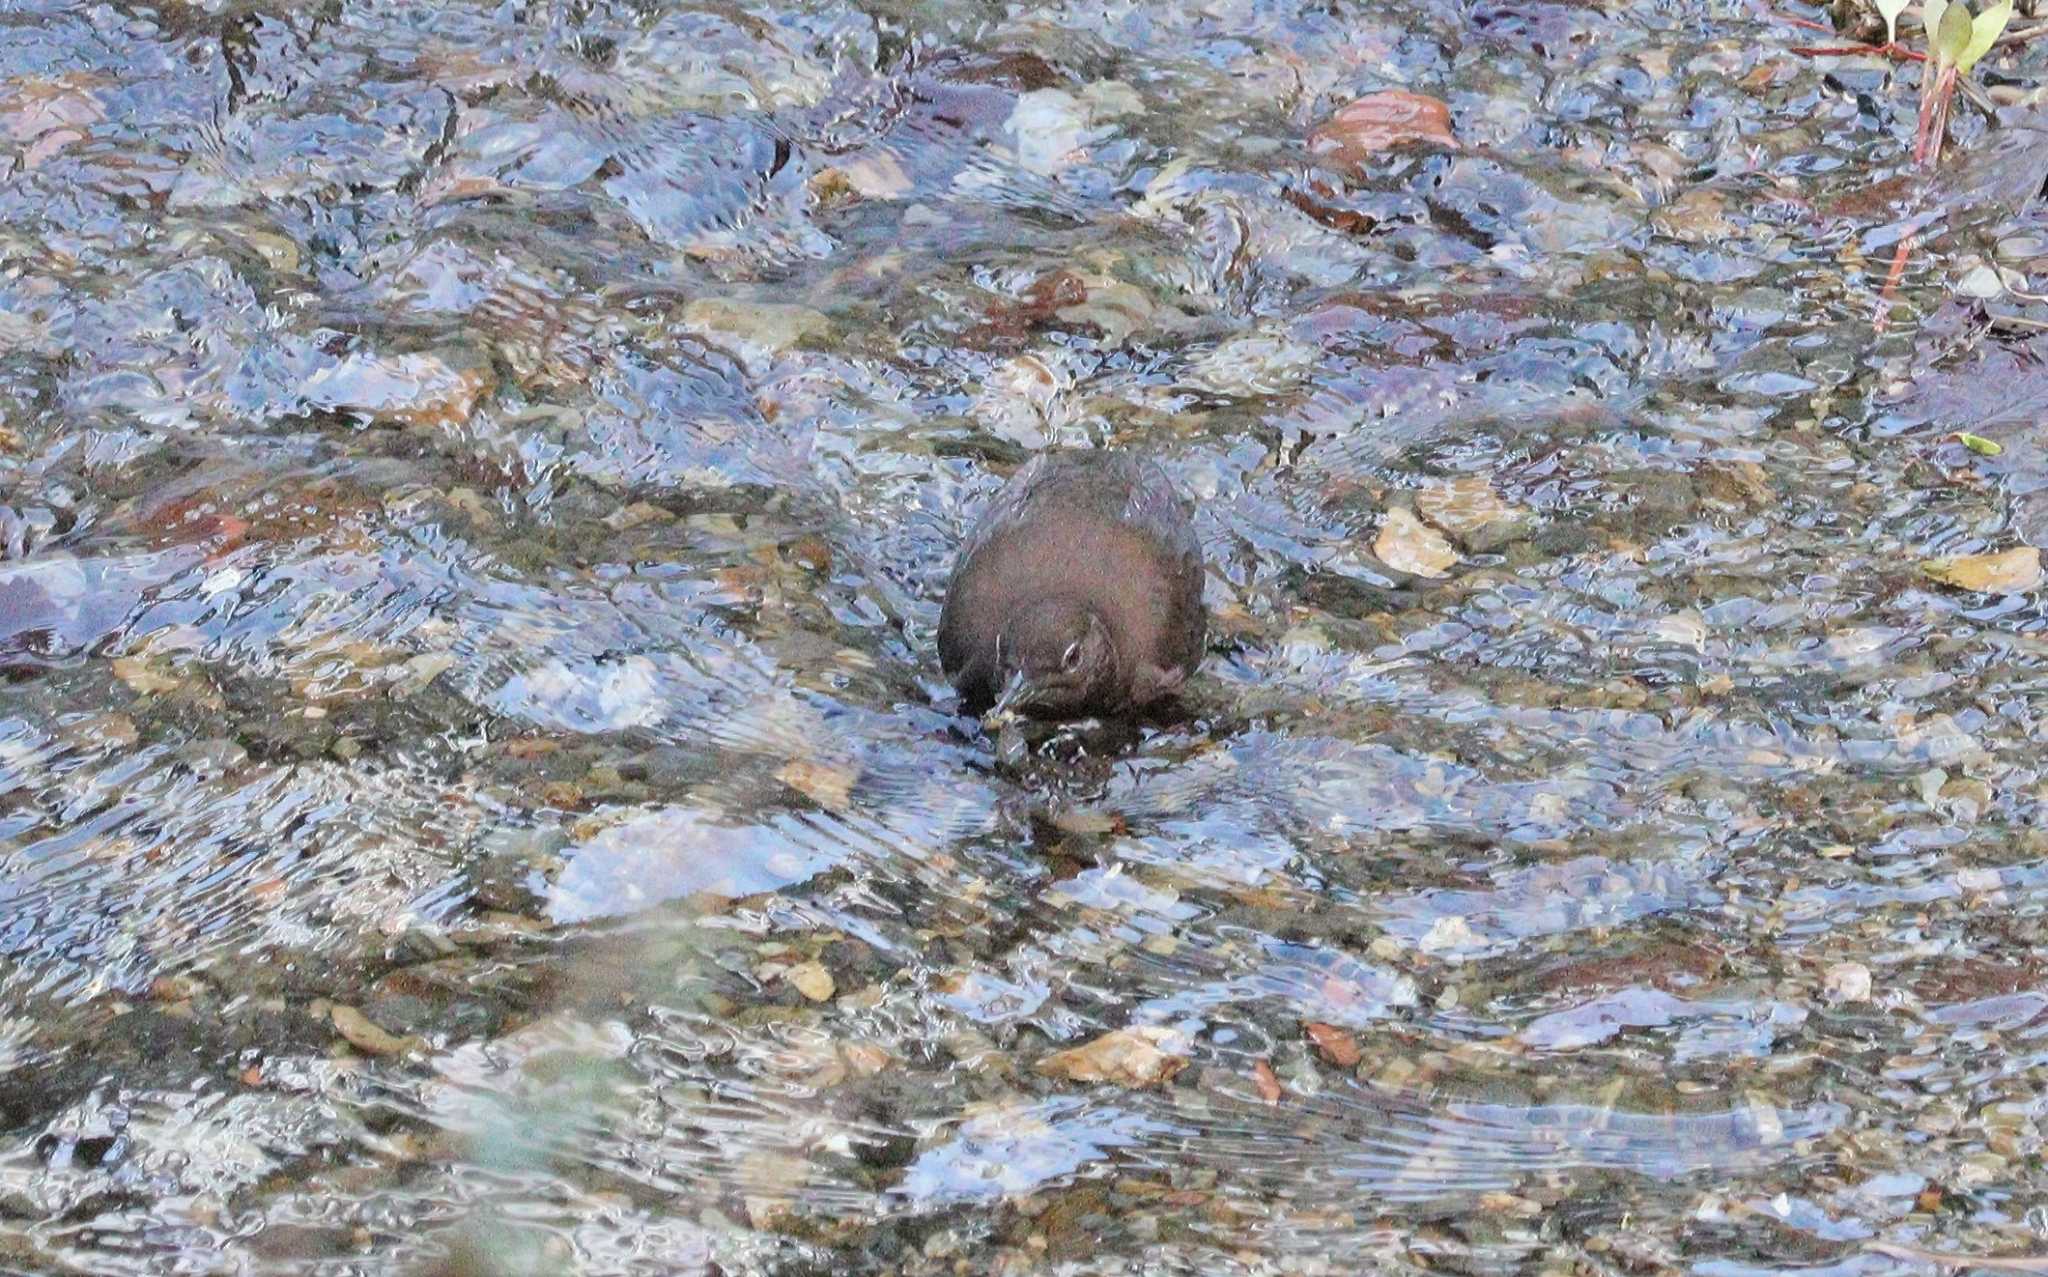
[476, 790]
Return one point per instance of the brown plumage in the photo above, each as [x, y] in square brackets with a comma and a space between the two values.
[1079, 591]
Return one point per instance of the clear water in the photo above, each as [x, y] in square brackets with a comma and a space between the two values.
[478, 792]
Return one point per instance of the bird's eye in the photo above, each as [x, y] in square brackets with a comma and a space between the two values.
[1070, 660]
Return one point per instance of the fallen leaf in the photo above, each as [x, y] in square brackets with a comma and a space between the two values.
[1145, 1055]
[1977, 443]
[365, 1035]
[461, 186]
[1407, 544]
[1768, 73]
[1268, 1084]
[2013, 571]
[1379, 122]
[1335, 1045]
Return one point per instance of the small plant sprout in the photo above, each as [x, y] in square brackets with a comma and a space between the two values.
[1890, 10]
[1956, 40]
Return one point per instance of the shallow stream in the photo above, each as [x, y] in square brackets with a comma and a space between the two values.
[477, 795]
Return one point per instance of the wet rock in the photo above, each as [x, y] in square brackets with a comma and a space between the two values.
[1666, 966]
[1145, 1055]
[144, 676]
[1110, 99]
[770, 326]
[417, 673]
[1052, 130]
[826, 783]
[211, 759]
[1070, 1227]
[1023, 400]
[1450, 936]
[1742, 484]
[812, 980]
[426, 390]
[1468, 510]
[1847, 982]
[1115, 309]
[1407, 544]
[1018, 70]
[874, 175]
[48, 115]
[1254, 363]
[1699, 216]
[404, 1013]
[1981, 281]
[1379, 122]
[635, 858]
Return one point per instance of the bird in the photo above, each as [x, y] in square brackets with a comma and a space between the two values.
[1078, 593]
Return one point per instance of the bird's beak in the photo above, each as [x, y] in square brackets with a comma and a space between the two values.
[1015, 695]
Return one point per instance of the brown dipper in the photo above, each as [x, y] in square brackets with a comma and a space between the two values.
[1079, 592]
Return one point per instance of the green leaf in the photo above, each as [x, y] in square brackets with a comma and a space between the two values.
[1952, 39]
[1931, 12]
[1978, 444]
[1890, 11]
[1985, 29]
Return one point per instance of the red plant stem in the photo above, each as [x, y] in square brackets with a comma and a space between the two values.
[1936, 92]
[1934, 119]
[1891, 283]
